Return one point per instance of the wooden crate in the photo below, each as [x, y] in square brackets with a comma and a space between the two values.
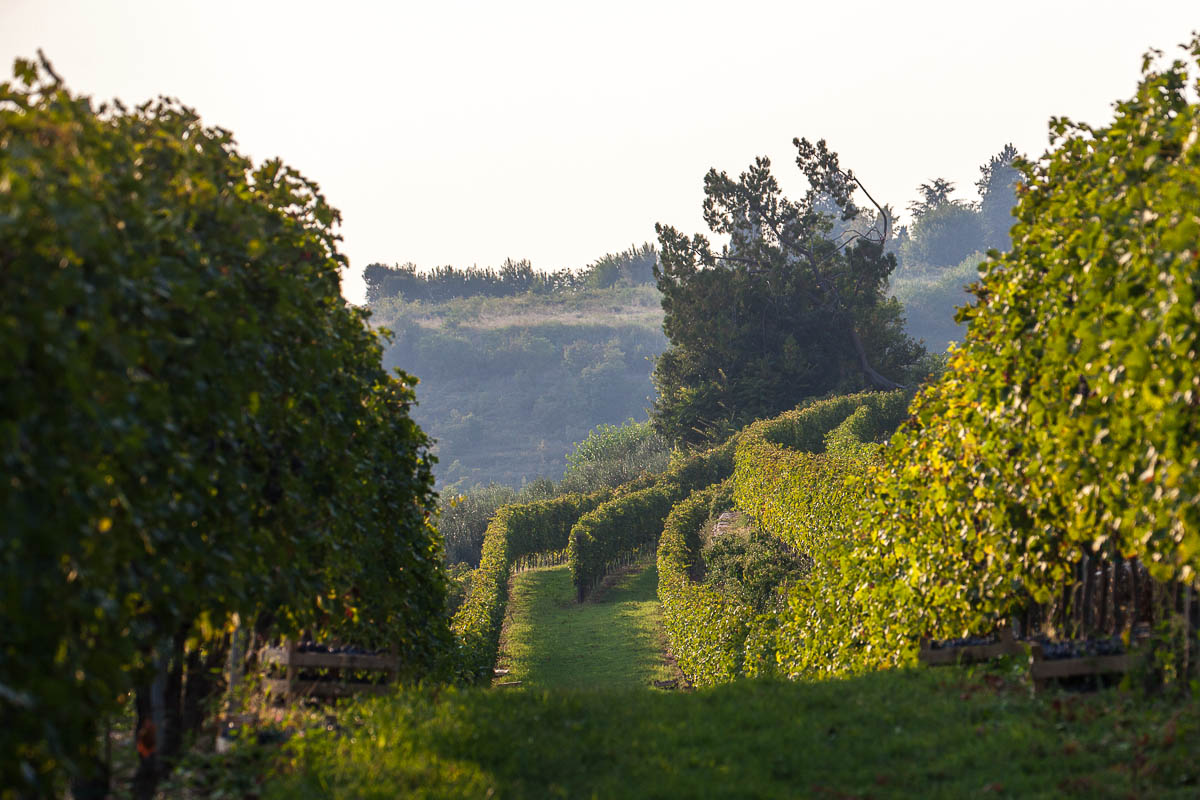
[1042, 671]
[971, 654]
[292, 661]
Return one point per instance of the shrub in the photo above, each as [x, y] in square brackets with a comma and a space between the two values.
[615, 454]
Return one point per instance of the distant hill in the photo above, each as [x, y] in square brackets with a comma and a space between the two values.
[510, 383]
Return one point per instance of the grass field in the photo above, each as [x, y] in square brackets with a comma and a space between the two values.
[613, 641]
[584, 724]
[921, 734]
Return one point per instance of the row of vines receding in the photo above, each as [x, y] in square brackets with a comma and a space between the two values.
[195, 431]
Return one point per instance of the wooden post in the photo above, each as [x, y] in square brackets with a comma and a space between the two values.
[1134, 591]
[1187, 628]
[292, 672]
[1089, 584]
[1106, 571]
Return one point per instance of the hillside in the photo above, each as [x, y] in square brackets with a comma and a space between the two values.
[930, 296]
[509, 384]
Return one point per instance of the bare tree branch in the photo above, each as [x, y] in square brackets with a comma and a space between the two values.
[868, 370]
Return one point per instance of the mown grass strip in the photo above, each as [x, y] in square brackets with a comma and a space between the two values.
[921, 733]
[612, 642]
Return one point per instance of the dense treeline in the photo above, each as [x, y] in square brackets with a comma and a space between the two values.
[195, 429]
[632, 267]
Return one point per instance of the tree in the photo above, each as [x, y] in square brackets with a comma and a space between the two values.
[998, 194]
[612, 455]
[632, 267]
[784, 311]
[944, 231]
[943, 236]
[934, 195]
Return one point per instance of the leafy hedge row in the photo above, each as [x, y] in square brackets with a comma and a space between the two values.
[707, 630]
[515, 531]
[194, 426]
[837, 621]
[787, 481]
[621, 528]
[616, 532]
[1068, 423]
[597, 531]
[804, 497]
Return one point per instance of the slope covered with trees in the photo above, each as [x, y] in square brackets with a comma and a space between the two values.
[509, 384]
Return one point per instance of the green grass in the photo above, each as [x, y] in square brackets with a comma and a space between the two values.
[552, 642]
[583, 724]
[928, 734]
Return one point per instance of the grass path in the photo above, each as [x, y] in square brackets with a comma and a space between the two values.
[613, 642]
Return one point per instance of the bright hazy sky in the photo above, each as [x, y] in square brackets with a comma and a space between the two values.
[454, 132]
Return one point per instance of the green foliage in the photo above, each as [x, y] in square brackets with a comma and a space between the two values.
[614, 641]
[934, 195]
[612, 455]
[998, 194]
[707, 628]
[931, 298]
[793, 477]
[943, 236]
[1067, 422]
[783, 313]
[459, 575]
[616, 533]
[597, 531]
[464, 518]
[445, 283]
[801, 478]
[514, 532]
[632, 267]
[193, 424]
[752, 568]
[945, 231]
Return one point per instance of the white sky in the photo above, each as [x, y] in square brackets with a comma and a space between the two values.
[456, 132]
